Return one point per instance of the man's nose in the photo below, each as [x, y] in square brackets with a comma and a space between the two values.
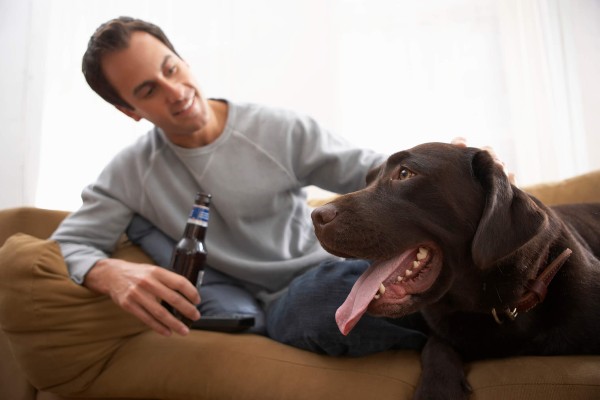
[174, 91]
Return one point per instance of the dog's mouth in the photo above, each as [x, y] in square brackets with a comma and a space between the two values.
[387, 287]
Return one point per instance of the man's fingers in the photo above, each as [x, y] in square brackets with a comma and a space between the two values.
[174, 289]
[149, 319]
[493, 154]
[512, 178]
[462, 142]
[459, 141]
[181, 304]
[147, 307]
[179, 284]
[179, 293]
[497, 160]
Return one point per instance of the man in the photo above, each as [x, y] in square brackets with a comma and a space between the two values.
[264, 258]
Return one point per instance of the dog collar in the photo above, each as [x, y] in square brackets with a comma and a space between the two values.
[535, 289]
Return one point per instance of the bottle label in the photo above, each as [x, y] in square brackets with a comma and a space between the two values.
[199, 216]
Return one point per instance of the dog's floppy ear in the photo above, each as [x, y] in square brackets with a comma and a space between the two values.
[373, 173]
[510, 218]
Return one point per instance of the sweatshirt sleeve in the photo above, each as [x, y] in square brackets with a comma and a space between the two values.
[92, 232]
[328, 161]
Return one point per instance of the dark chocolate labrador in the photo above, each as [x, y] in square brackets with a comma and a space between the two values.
[493, 270]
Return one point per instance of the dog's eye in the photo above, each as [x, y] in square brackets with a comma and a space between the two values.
[405, 173]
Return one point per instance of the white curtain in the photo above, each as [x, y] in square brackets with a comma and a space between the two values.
[544, 88]
[519, 75]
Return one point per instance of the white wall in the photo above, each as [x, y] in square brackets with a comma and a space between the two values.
[585, 21]
[387, 74]
[19, 112]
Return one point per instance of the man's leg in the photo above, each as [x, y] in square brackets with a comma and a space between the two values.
[152, 240]
[304, 316]
[220, 294]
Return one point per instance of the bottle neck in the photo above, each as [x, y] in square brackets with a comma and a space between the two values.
[193, 230]
[197, 222]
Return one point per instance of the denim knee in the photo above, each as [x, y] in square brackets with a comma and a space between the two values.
[305, 316]
[152, 240]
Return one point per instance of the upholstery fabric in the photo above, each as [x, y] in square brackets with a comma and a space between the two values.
[56, 345]
[60, 341]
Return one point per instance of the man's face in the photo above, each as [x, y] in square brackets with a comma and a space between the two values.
[158, 85]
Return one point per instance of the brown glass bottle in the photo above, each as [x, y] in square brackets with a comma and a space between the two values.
[189, 255]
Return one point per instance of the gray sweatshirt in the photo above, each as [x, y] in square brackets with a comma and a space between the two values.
[260, 230]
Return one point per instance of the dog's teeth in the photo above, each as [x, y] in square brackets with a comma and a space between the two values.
[423, 252]
[381, 288]
[381, 291]
[408, 272]
[416, 264]
[399, 278]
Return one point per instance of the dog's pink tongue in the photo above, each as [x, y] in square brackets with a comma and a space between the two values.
[367, 285]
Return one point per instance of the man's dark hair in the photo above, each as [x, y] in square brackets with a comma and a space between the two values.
[112, 36]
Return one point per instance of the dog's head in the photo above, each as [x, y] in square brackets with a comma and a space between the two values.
[430, 218]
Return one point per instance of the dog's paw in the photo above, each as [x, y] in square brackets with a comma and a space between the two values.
[443, 389]
[442, 376]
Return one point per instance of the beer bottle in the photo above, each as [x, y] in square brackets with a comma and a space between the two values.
[189, 255]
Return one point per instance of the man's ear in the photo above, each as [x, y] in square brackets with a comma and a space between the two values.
[510, 217]
[129, 112]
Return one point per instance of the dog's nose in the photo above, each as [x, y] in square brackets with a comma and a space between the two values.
[324, 214]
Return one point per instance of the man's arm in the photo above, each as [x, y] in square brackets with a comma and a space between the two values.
[137, 288]
[327, 160]
[88, 236]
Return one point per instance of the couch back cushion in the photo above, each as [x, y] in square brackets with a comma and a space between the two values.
[36, 222]
[584, 188]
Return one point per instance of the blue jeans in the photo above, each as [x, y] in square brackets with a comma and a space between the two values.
[304, 316]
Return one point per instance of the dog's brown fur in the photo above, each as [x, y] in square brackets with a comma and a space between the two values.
[488, 239]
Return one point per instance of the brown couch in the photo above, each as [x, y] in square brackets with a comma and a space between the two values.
[59, 340]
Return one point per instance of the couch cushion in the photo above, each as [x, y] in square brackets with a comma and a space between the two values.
[59, 331]
[582, 188]
[76, 343]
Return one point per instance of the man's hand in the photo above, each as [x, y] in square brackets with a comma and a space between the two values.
[462, 142]
[139, 290]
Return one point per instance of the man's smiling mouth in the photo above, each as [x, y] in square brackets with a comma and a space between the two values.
[186, 107]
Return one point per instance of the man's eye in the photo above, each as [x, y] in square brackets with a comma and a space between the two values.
[147, 92]
[171, 70]
[405, 173]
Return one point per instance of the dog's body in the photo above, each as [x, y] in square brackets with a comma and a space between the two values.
[452, 238]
